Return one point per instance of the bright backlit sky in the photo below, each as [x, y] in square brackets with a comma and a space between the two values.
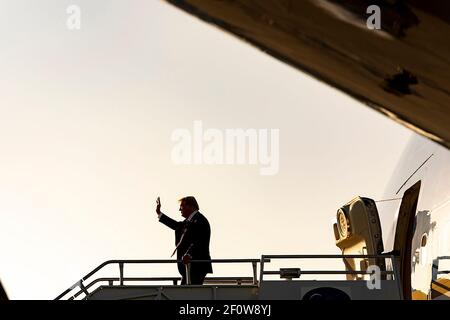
[86, 119]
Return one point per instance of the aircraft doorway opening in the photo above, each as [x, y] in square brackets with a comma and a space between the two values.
[404, 236]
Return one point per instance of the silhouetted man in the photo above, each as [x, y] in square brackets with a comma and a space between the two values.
[191, 239]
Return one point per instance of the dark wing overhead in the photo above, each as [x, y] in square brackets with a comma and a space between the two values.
[402, 70]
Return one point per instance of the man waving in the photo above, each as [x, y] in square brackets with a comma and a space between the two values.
[191, 239]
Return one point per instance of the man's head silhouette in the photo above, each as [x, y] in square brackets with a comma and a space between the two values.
[188, 205]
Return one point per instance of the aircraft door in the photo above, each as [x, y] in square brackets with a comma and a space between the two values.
[358, 232]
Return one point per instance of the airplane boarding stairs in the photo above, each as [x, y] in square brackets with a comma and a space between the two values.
[383, 283]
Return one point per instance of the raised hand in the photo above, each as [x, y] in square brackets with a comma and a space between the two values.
[158, 206]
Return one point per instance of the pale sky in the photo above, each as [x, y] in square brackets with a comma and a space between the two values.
[86, 119]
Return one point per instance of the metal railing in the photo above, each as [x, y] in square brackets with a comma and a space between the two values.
[392, 258]
[175, 280]
[121, 263]
[436, 285]
[83, 289]
[436, 265]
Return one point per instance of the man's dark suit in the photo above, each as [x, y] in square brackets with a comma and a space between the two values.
[195, 242]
